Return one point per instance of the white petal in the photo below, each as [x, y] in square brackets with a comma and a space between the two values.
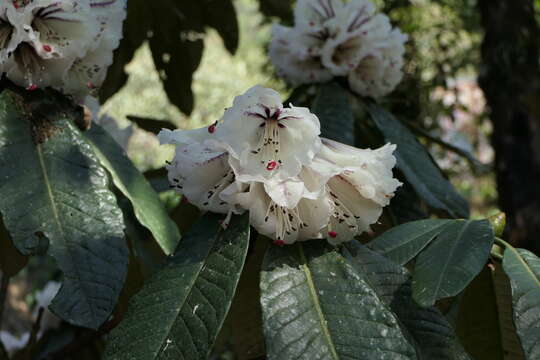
[282, 224]
[265, 140]
[200, 172]
[184, 137]
[314, 13]
[379, 72]
[296, 56]
[369, 171]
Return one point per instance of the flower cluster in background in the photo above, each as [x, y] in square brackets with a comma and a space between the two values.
[270, 159]
[335, 38]
[65, 44]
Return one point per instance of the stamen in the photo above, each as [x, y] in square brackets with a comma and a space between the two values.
[332, 234]
[279, 242]
[31, 87]
[47, 48]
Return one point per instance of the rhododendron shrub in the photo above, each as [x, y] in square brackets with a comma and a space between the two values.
[313, 227]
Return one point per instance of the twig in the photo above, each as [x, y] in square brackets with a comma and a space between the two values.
[482, 168]
[4, 284]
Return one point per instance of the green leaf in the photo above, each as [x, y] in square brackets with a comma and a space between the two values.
[283, 9]
[523, 269]
[148, 208]
[418, 166]
[151, 125]
[221, 15]
[478, 323]
[406, 205]
[53, 189]
[317, 306]
[335, 114]
[433, 336]
[177, 48]
[11, 260]
[402, 243]
[181, 308]
[448, 264]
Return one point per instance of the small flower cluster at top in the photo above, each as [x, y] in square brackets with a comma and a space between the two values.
[336, 38]
[65, 44]
[270, 160]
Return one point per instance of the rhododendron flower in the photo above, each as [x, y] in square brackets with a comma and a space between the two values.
[88, 72]
[48, 35]
[316, 188]
[337, 38]
[380, 71]
[361, 190]
[200, 171]
[283, 221]
[66, 44]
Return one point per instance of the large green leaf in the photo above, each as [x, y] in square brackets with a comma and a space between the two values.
[335, 114]
[54, 192]
[146, 203]
[523, 269]
[433, 336]
[418, 166]
[221, 15]
[448, 264]
[180, 310]
[402, 243]
[317, 306]
[406, 205]
[478, 324]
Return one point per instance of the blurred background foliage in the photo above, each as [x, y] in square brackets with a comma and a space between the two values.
[439, 94]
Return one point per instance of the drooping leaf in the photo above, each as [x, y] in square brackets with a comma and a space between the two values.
[334, 111]
[450, 262]
[147, 206]
[174, 31]
[181, 308]
[151, 125]
[282, 9]
[246, 313]
[402, 243]
[503, 295]
[433, 336]
[477, 322]
[11, 260]
[406, 205]
[317, 306]
[3, 352]
[523, 269]
[221, 15]
[418, 166]
[54, 192]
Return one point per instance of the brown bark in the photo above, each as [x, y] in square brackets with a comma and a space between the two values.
[510, 78]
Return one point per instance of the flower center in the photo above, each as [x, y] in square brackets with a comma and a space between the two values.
[268, 149]
[288, 221]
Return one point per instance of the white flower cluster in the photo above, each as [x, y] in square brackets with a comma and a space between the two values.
[269, 159]
[65, 44]
[336, 38]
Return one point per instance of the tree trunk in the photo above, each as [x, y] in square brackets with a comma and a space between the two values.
[510, 79]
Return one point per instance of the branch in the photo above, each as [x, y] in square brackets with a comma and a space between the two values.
[481, 167]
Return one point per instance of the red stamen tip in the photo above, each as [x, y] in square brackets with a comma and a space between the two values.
[279, 242]
[185, 200]
[32, 87]
[91, 85]
[271, 165]
[212, 129]
[47, 48]
[332, 234]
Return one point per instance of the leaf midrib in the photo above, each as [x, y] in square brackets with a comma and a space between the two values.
[316, 302]
[451, 254]
[525, 265]
[54, 209]
[161, 347]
